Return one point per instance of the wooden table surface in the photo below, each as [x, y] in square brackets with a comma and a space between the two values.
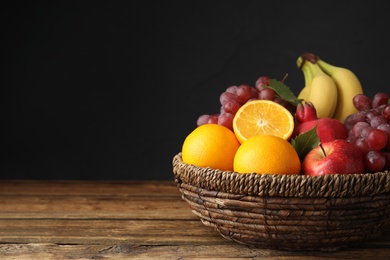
[125, 220]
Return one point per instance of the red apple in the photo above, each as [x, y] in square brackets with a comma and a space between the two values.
[328, 129]
[337, 156]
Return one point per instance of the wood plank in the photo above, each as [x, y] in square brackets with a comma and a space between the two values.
[147, 232]
[44, 251]
[85, 207]
[79, 187]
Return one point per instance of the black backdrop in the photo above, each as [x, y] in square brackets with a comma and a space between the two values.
[110, 89]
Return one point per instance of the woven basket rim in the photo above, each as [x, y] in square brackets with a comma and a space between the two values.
[273, 185]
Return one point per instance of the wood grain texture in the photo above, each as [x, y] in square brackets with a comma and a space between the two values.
[125, 220]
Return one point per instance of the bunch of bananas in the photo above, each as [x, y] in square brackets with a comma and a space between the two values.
[330, 88]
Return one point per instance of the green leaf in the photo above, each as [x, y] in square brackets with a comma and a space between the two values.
[305, 142]
[283, 91]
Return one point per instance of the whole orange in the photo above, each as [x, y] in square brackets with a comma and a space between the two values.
[210, 145]
[267, 154]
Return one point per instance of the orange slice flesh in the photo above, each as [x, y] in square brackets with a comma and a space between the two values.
[262, 117]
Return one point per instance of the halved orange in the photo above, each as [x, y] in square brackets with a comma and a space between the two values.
[263, 117]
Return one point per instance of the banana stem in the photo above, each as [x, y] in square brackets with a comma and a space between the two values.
[310, 57]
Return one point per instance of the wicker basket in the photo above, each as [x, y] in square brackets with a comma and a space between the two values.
[287, 212]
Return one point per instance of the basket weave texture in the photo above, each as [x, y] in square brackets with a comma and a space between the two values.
[287, 212]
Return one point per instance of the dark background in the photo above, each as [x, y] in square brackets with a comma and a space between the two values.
[110, 89]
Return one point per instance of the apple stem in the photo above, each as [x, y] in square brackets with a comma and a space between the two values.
[323, 150]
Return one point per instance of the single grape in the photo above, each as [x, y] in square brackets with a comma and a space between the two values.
[377, 120]
[361, 116]
[362, 102]
[203, 119]
[261, 82]
[244, 93]
[213, 119]
[385, 127]
[231, 106]
[386, 112]
[377, 139]
[379, 99]
[232, 89]
[226, 119]
[226, 97]
[374, 161]
[267, 94]
[362, 145]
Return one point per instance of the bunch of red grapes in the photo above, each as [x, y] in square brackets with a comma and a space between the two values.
[236, 96]
[369, 130]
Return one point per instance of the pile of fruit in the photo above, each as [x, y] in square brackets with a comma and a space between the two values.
[330, 127]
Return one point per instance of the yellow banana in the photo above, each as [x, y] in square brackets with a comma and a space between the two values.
[304, 94]
[348, 85]
[320, 89]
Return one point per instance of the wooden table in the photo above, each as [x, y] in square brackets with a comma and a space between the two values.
[124, 220]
